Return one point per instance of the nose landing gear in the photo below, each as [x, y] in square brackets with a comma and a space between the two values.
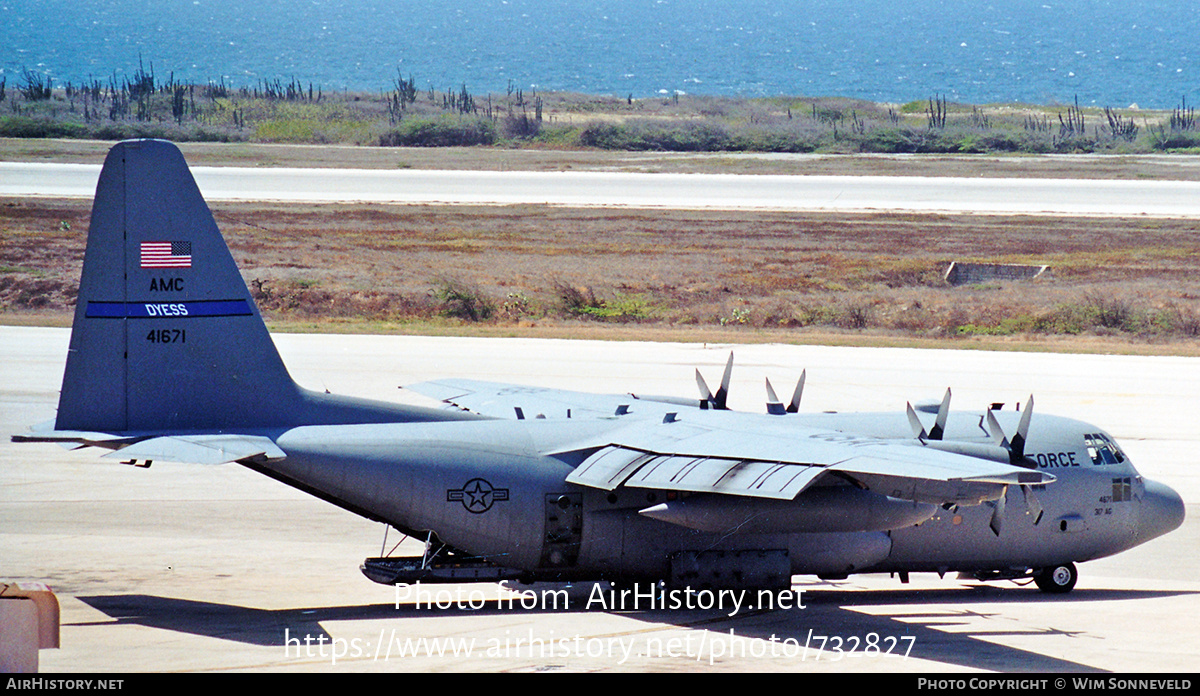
[1058, 579]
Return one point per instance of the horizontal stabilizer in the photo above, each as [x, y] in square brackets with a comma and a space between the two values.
[201, 449]
[81, 438]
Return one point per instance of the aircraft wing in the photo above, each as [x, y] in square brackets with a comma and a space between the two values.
[720, 452]
[663, 446]
[516, 401]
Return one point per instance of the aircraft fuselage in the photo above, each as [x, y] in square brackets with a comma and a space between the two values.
[485, 487]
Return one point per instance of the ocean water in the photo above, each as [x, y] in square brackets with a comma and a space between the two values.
[1105, 52]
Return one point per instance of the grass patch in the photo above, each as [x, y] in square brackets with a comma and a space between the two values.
[1097, 315]
[741, 273]
[296, 130]
[582, 302]
[443, 131]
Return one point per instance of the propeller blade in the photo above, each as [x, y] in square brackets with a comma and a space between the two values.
[939, 425]
[997, 521]
[997, 432]
[1018, 440]
[1033, 505]
[771, 397]
[723, 392]
[794, 405]
[706, 397]
[774, 405]
[917, 427]
[1016, 446]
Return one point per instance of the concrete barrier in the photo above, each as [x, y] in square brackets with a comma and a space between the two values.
[975, 273]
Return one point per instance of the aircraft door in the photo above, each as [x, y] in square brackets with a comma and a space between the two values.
[564, 530]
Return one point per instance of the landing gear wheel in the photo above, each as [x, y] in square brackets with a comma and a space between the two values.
[1059, 579]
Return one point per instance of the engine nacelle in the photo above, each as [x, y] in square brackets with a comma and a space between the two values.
[823, 509]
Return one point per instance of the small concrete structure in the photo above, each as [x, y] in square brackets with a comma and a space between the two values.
[28, 623]
[975, 273]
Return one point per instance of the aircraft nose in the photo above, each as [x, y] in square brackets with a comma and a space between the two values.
[1161, 511]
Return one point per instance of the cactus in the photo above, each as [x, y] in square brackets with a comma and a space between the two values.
[937, 112]
[1119, 127]
[1074, 124]
[1183, 118]
[36, 87]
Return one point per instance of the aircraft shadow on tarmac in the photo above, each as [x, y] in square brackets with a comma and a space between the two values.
[939, 627]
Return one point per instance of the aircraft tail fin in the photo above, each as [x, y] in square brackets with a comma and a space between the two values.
[166, 335]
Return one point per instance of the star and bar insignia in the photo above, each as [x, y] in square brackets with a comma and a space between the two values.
[477, 495]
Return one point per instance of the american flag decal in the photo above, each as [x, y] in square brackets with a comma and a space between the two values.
[166, 254]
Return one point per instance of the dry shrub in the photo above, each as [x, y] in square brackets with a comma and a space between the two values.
[23, 292]
[305, 299]
[462, 300]
[576, 301]
[854, 314]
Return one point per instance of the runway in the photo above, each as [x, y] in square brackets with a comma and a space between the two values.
[189, 568]
[679, 191]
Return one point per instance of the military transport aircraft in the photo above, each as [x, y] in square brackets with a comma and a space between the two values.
[170, 360]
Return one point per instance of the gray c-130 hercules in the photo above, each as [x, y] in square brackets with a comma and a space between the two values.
[170, 360]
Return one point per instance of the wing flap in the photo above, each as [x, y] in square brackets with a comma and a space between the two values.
[608, 468]
[613, 467]
[732, 477]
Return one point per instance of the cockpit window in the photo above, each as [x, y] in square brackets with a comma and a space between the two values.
[1102, 449]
